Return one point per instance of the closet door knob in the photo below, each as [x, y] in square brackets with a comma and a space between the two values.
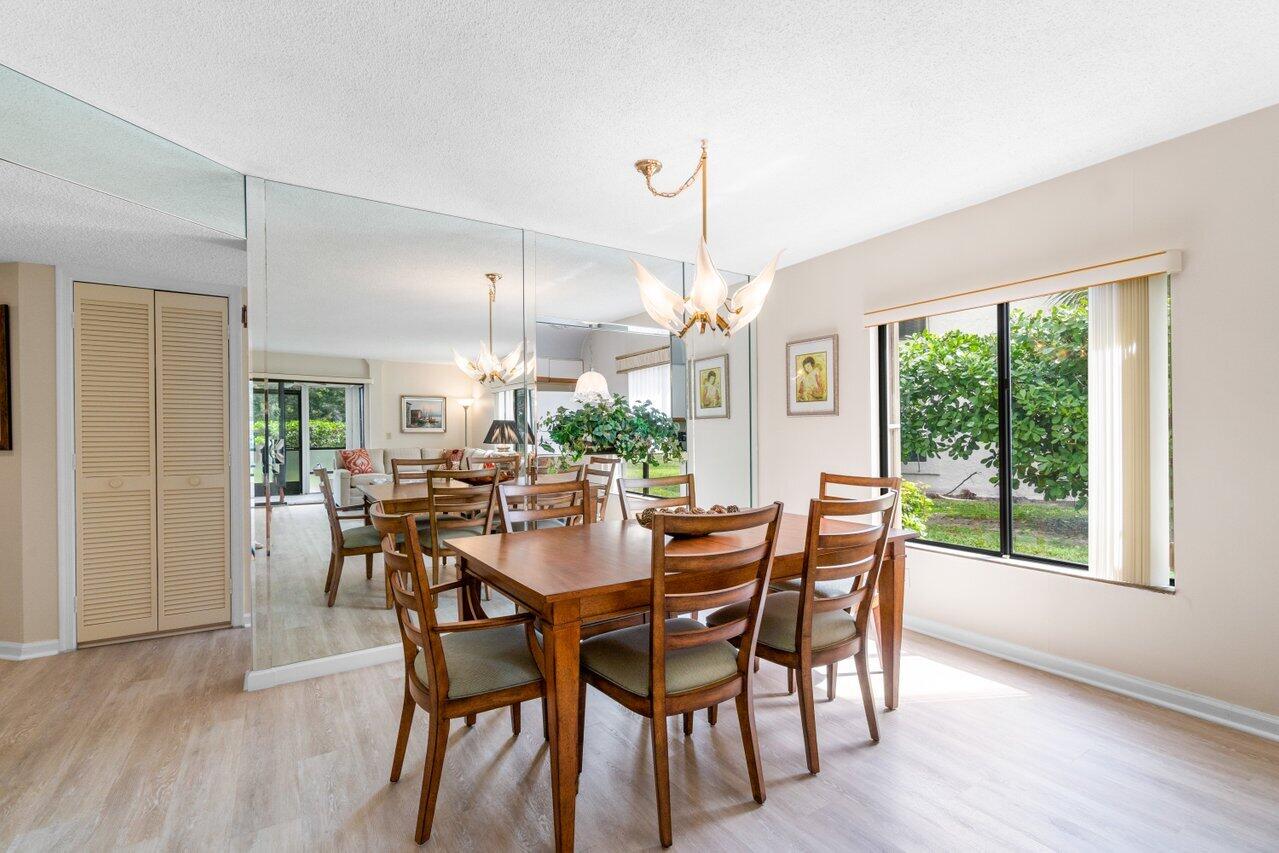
[115, 482]
[193, 480]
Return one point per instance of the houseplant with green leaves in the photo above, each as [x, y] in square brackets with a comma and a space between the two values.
[639, 434]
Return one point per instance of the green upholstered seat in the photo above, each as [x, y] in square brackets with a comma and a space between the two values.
[777, 623]
[823, 589]
[622, 658]
[368, 537]
[485, 661]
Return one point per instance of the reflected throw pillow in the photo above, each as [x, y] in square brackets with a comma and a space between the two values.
[356, 461]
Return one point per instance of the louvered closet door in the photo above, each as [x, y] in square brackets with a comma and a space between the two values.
[115, 472]
[192, 451]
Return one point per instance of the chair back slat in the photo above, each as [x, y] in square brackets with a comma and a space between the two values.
[836, 486]
[602, 472]
[739, 572]
[571, 474]
[411, 594]
[571, 502]
[632, 504]
[330, 508]
[461, 507]
[409, 470]
[855, 555]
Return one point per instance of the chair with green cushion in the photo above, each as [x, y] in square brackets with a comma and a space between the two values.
[672, 667]
[347, 542]
[451, 670]
[457, 510]
[800, 629]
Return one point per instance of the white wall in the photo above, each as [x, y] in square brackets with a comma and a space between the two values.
[720, 448]
[1213, 194]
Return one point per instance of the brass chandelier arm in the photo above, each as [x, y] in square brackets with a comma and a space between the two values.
[649, 168]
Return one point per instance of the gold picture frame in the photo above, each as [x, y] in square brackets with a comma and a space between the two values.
[6, 385]
[710, 387]
[812, 376]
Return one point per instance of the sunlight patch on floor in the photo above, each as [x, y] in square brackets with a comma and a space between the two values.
[923, 680]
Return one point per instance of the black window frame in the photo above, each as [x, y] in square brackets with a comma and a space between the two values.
[1003, 368]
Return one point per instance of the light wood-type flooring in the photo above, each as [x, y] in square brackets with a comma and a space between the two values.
[152, 745]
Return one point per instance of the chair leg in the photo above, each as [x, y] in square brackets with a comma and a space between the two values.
[750, 742]
[470, 720]
[328, 578]
[662, 778]
[807, 717]
[338, 561]
[757, 664]
[438, 741]
[402, 739]
[868, 697]
[832, 672]
[435, 569]
[386, 576]
[546, 731]
[368, 567]
[515, 719]
[712, 714]
[688, 723]
[581, 721]
[790, 681]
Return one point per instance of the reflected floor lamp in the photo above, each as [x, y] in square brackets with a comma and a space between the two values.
[465, 403]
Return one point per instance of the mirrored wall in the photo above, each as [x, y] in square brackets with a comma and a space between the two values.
[361, 307]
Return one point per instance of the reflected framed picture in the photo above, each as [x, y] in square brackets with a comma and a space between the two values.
[423, 414]
[710, 391]
[6, 388]
[812, 376]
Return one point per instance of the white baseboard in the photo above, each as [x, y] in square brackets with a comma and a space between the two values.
[1195, 704]
[27, 651]
[260, 679]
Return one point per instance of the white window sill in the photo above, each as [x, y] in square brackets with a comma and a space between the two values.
[1065, 571]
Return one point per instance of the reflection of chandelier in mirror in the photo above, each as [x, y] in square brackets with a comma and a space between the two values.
[709, 294]
[489, 370]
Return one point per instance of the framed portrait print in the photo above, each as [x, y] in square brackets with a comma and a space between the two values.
[423, 414]
[710, 391]
[812, 376]
[6, 389]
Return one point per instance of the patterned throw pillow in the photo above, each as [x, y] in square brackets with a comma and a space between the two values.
[356, 461]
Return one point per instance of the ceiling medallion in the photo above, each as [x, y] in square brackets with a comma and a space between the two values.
[488, 369]
[708, 306]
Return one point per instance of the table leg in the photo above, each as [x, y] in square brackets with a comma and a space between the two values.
[469, 606]
[892, 589]
[561, 652]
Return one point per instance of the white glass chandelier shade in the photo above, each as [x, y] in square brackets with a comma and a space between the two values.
[591, 387]
[708, 306]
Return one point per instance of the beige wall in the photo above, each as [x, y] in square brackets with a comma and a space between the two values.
[1213, 194]
[391, 379]
[28, 473]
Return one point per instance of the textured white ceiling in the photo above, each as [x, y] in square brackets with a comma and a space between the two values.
[829, 121]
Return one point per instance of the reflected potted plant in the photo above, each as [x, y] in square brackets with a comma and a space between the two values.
[639, 434]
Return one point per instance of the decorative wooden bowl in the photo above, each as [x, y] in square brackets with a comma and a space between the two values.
[645, 517]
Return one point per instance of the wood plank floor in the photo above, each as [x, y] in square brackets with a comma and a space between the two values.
[152, 745]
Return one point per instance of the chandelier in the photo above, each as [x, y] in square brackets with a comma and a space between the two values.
[708, 306]
[489, 370]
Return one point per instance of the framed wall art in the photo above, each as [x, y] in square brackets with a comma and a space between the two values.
[423, 414]
[812, 376]
[710, 377]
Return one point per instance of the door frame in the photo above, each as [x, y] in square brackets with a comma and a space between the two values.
[238, 388]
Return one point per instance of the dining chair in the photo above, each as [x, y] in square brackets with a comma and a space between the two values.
[457, 510]
[553, 504]
[347, 542]
[510, 463]
[602, 471]
[803, 629]
[570, 474]
[410, 470]
[670, 667]
[630, 485]
[453, 669]
[828, 484]
[544, 462]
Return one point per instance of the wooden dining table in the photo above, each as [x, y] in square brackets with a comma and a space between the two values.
[585, 573]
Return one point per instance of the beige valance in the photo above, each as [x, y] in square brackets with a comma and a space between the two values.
[1152, 263]
[644, 358]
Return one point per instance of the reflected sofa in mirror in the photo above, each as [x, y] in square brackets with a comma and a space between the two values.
[365, 304]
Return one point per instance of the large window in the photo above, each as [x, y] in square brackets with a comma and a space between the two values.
[1038, 429]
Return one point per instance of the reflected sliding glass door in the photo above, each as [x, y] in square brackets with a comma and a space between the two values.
[299, 426]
